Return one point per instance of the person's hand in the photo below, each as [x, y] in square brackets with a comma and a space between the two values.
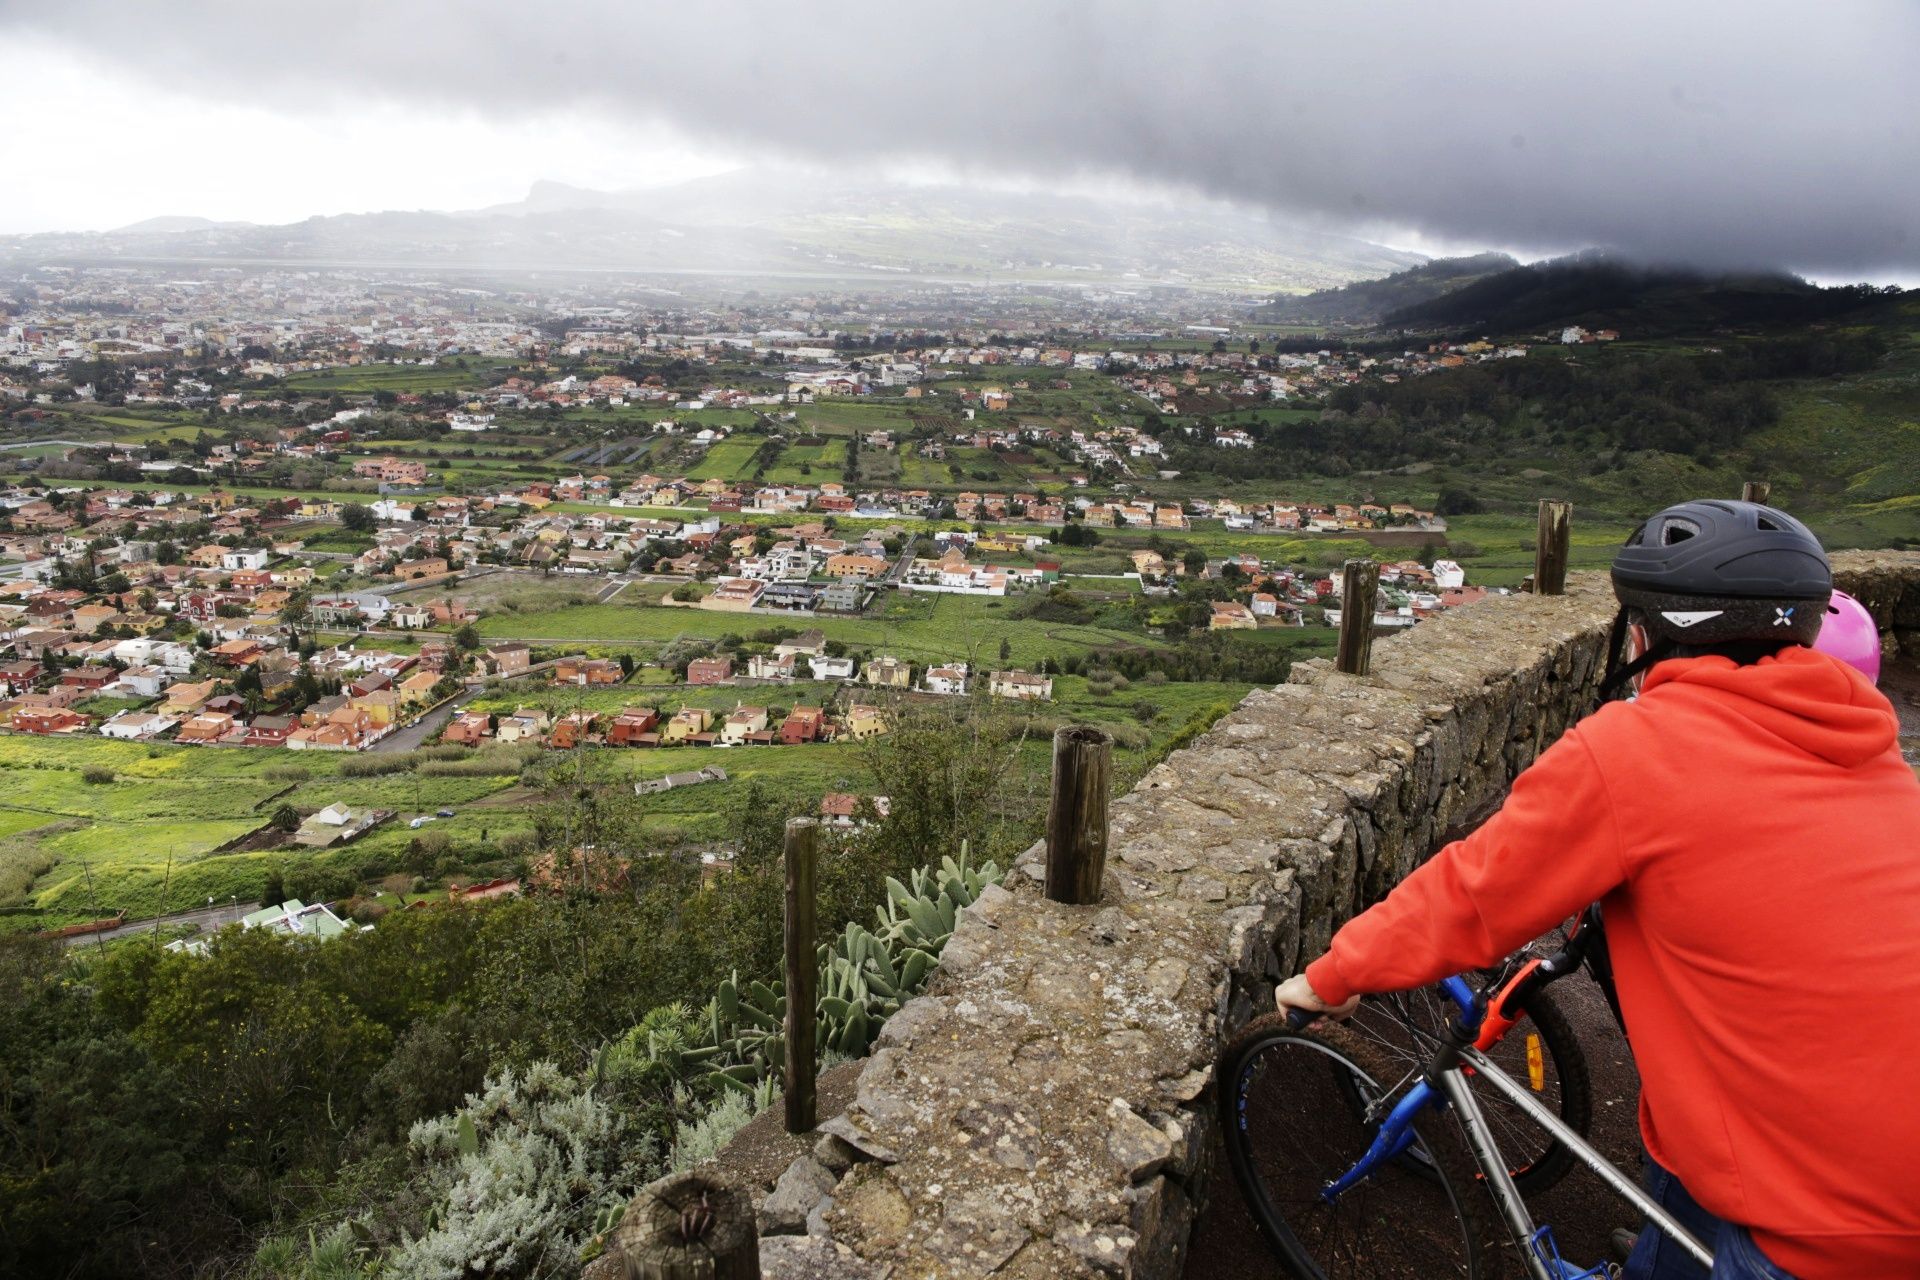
[1297, 993]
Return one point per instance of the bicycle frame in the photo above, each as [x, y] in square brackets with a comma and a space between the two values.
[1445, 1084]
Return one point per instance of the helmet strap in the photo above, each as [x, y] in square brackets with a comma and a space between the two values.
[1619, 672]
[1616, 649]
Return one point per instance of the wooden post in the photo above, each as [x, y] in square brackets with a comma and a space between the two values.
[802, 858]
[1550, 550]
[1077, 814]
[684, 1226]
[1359, 588]
[1755, 491]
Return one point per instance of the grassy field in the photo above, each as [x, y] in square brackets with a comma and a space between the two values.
[922, 628]
[149, 839]
[367, 378]
[729, 459]
[823, 462]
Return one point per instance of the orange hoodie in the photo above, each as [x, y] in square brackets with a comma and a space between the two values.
[1756, 838]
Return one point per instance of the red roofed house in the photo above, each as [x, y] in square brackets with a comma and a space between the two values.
[90, 679]
[630, 725]
[803, 724]
[47, 720]
[710, 671]
[468, 729]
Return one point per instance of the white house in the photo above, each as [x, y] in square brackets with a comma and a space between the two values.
[147, 682]
[174, 659]
[136, 651]
[1448, 576]
[1022, 685]
[949, 679]
[829, 668]
[763, 666]
[245, 558]
[136, 726]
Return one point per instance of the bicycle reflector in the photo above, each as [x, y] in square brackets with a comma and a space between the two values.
[1536, 1064]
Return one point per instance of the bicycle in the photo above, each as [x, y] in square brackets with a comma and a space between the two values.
[1297, 1102]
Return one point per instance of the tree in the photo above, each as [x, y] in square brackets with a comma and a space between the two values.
[467, 637]
[357, 517]
[286, 818]
[1195, 560]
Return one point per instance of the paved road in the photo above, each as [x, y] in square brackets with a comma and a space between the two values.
[210, 919]
[417, 733]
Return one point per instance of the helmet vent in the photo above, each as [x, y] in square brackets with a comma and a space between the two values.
[1771, 526]
[1678, 531]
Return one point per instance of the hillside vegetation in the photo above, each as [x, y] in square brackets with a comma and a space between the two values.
[1597, 291]
[1368, 302]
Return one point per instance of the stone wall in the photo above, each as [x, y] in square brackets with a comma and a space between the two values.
[1044, 1110]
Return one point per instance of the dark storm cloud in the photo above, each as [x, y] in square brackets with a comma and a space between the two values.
[1722, 133]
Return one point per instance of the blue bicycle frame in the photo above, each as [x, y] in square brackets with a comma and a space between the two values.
[1444, 1085]
[1396, 1133]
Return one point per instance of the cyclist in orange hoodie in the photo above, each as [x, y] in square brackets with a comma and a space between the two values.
[1751, 829]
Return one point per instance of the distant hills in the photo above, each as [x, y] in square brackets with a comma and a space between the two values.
[1492, 294]
[1598, 291]
[1366, 303]
[170, 225]
[772, 223]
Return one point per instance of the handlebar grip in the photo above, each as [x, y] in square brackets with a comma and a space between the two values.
[1301, 1019]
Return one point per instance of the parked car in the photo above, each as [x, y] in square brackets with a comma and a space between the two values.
[421, 821]
[445, 813]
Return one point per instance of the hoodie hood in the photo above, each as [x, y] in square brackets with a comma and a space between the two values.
[1816, 702]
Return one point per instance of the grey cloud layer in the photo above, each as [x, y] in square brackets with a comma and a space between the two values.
[1716, 132]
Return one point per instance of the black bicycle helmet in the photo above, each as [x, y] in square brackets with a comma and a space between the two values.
[1710, 572]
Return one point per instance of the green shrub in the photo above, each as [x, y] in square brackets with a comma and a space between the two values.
[97, 775]
[373, 766]
[519, 1175]
[22, 861]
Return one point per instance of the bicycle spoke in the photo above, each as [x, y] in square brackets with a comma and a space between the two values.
[1305, 1126]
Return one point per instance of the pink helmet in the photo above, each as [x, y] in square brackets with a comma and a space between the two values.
[1848, 634]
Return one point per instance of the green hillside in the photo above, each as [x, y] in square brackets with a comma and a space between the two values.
[1598, 291]
[1367, 302]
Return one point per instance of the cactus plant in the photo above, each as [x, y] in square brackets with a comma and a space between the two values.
[737, 1042]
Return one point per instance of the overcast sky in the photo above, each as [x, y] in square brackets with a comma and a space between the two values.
[1715, 132]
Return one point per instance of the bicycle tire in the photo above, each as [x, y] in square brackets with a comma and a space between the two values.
[1538, 1162]
[1289, 1125]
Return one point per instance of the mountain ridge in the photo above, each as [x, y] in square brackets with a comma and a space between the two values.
[746, 222]
[1600, 290]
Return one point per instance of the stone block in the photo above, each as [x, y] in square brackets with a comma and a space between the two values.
[802, 1187]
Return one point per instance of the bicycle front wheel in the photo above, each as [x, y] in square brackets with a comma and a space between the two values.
[1298, 1109]
[1542, 1052]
